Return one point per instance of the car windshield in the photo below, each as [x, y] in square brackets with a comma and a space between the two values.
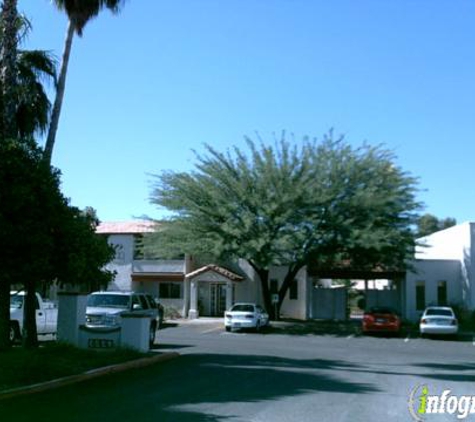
[16, 301]
[439, 312]
[108, 301]
[242, 308]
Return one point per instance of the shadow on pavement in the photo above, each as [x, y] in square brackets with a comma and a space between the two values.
[198, 388]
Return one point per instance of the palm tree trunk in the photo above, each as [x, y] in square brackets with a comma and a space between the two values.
[60, 87]
[8, 55]
[8, 71]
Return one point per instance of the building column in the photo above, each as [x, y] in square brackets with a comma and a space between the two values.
[193, 312]
[186, 297]
[229, 294]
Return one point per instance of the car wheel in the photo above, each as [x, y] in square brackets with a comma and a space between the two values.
[14, 333]
[228, 329]
[153, 330]
[258, 326]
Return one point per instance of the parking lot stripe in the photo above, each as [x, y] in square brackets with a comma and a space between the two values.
[211, 330]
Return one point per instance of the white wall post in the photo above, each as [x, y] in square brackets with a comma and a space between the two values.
[135, 331]
[71, 314]
[193, 312]
[229, 294]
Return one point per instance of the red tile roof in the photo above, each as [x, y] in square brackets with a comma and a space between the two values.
[217, 269]
[126, 227]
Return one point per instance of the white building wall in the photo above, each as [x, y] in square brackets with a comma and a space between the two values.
[454, 243]
[451, 243]
[431, 272]
[122, 263]
[248, 290]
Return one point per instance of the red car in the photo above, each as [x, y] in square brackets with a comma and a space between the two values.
[381, 319]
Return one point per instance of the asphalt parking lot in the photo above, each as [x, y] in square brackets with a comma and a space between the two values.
[274, 376]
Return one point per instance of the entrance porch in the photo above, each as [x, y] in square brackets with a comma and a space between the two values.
[209, 291]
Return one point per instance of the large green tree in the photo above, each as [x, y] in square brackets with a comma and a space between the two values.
[79, 12]
[322, 203]
[48, 240]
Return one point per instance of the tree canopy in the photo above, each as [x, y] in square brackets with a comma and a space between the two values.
[320, 202]
[429, 223]
[48, 240]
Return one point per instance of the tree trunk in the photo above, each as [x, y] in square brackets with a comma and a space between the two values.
[4, 315]
[30, 334]
[60, 88]
[8, 71]
[263, 277]
[288, 280]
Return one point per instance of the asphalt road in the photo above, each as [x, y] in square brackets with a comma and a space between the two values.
[264, 378]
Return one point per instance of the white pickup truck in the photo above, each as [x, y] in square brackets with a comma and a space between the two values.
[46, 315]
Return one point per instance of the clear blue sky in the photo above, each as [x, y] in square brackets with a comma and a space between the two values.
[163, 77]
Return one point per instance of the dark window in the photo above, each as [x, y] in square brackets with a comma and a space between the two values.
[170, 291]
[143, 302]
[442, 312]
[242, 308]
[294, 290]
[442, 293]
[151, 302]
[420, 295]
[135, 303]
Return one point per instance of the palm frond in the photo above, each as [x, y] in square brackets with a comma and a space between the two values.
[80, 12]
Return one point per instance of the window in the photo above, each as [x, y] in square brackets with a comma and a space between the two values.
[170, 291]
[442, 293]
[420, 295]
[135, 303]
[143, 302]
[294, 290]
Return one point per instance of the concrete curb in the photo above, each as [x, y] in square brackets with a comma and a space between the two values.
[93, 373]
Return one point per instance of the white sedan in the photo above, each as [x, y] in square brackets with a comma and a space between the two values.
[245, 315]
[438, 320]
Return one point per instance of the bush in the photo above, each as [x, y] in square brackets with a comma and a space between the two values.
[170, 312]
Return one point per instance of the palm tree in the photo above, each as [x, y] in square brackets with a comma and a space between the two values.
[79, 12]
[8, 53]
[7, 130]
[24, 110]
[28, 103]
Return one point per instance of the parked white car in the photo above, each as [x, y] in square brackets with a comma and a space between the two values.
[46, 315]
[438, 320]
[245, 315]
